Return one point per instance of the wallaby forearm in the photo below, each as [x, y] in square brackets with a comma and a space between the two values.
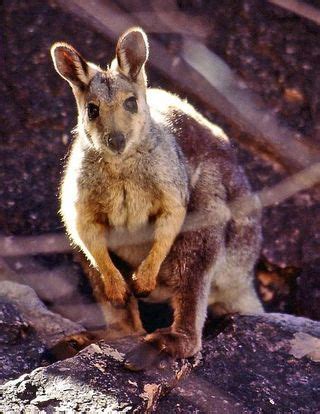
[167, 227]
[94, 244]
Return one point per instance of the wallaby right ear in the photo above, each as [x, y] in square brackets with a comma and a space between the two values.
[132, 53]
[70, 65]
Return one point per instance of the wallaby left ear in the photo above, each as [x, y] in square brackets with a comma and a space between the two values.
[132, 53]
[70, 65]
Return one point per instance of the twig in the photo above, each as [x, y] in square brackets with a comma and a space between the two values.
[300, 8]
[250, 114]
[31, 245]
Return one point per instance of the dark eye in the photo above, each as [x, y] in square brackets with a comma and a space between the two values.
[131, 105]
[93, 111]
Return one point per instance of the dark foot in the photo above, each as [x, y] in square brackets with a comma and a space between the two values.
[143, 356]
[71, 345]
[178, 344]
[159, 346]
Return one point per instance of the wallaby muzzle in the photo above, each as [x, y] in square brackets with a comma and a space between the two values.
[116, 142]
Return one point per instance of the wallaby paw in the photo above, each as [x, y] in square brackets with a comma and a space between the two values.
[144, 280]
[178, 344]
[141, 291]
[163, 344]
[144, 356]
[121, 300]
[118, 294]
[71, 345]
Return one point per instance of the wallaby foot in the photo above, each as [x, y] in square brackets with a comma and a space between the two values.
[70, 345]
[144, 356]
[162, 344]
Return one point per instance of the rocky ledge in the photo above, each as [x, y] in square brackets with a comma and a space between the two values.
[249, 364]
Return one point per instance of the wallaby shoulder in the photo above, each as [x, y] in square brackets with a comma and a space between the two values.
[204, 145]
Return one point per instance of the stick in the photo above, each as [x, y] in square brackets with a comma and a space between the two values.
[31, 245]
[300, 8]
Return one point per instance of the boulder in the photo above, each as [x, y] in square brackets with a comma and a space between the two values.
[50, 327]
[267, 363]
[27, 330]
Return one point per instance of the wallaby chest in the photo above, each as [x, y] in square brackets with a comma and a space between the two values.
[124, 198]
[126, 203]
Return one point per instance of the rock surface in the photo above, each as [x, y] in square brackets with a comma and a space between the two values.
[249, 367]
[27, 329]
[249, 364]
[49, 326]
[59, 283]
[272, 50]
[93, 381]
[20, 348]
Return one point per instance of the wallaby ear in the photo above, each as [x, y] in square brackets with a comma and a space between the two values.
[132, 53]
[70, 64]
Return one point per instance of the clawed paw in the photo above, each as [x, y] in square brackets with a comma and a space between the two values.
[141, 291]
[159, 345]
[120, 301]
[144, 281]
[144, 356]
[118, 294]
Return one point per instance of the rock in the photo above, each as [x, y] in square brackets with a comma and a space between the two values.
[12, 325]
[95, 380]
[305, 345]
[20, 348]
[27, 329]
[50, 327]
[58, 282]
[308, 291]
[250, 367]
[254, 364]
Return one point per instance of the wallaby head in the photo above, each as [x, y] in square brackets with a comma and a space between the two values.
[112, 108]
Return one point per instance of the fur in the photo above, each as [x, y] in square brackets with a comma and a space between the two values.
[162, 203]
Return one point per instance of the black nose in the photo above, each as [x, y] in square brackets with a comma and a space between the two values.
[116, 142]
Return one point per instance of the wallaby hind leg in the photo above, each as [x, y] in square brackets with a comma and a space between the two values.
[232, 288]
[187, 267]
[120, 322]
[241, 299]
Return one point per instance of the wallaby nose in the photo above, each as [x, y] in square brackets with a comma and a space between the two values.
[116, 142]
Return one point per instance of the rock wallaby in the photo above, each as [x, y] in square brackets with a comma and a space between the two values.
[152, 181]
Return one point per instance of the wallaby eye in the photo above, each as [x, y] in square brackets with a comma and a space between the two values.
[93, 111]
[131, 105]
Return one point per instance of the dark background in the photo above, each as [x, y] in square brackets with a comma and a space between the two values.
[275, 52]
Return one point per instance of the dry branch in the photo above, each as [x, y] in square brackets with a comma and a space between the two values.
[249, 113]
[300, 8]
[31, 245]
